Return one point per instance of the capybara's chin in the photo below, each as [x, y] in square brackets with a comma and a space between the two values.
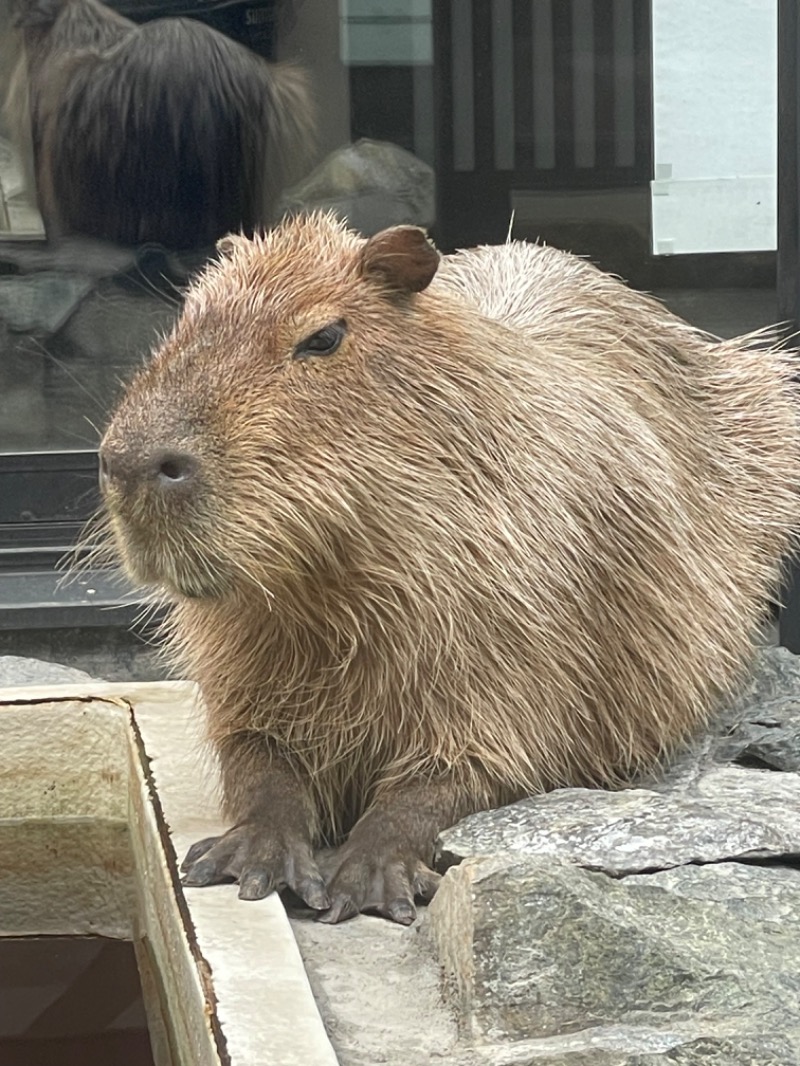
[177, 562]
[515, 526]
[180, 576]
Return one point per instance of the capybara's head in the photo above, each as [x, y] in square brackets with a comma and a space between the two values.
[245, 449]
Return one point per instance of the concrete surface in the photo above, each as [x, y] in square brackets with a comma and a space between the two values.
[81, 761]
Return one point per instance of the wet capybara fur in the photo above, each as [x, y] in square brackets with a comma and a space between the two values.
[439, 535]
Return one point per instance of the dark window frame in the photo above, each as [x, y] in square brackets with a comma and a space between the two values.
[789, 240]
[46, 498]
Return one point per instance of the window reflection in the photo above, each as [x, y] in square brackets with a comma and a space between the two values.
[136, 132]
[134, 135]
[167, 131]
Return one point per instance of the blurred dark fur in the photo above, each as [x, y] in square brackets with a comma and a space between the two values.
[167, 132]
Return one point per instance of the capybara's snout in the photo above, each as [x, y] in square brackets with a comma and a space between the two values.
[155, 495]
[131, 468]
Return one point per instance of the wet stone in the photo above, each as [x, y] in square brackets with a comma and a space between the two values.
[15, 670]
[655, 924]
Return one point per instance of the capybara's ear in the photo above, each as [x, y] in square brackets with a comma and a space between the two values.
[401, 257]
[227, 244]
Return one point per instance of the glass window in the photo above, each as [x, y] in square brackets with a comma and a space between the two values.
[640, 133]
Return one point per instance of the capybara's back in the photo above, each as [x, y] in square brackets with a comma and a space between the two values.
[439, 542]
[695, 485]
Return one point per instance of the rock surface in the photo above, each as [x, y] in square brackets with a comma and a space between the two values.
[729, 813]
[546, 948]
[371, 184]
[75, 321]
[656, 924]
[15, 670]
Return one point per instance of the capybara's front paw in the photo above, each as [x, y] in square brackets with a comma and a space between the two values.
[262, 859]
[382, 881]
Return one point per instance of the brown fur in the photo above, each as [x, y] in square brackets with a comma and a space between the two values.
[167, 132]
[519, 530]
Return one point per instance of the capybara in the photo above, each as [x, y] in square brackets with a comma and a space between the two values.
[438, 540]
[167, 132]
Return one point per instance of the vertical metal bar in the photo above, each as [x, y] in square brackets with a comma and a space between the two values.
[544, 107]
[643, 95]
[522, 32]
[562, 86]
[424, 131]
[482, 58]
[604, 112]
[503, 84]
[624, 84]
[583, 82]
[444, 229]
[463, 86]
[789, 241]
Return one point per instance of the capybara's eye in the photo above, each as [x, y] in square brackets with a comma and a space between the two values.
[323, 342]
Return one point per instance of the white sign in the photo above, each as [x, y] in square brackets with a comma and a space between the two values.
[386, 32]
[715, 111]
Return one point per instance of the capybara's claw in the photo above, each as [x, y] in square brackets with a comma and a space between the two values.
[197, 850]
[426, 882]
[255, 884]
[401, 911]
[369, 882]
[312, 891]
[261, 859]
[204, 872]
[341, 909]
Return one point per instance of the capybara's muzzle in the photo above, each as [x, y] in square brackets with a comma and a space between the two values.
[132, 471]
[155, 498]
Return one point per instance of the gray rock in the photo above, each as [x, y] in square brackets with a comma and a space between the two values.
[540, 949]
[731, 812]
[15, 670]
[758, 726]
[774, 679]
[635, 927]
[773, 741]
[114, 326]
[766, 715]
[616, 1046]
[371, 184]
[82, 255]
[41, 303]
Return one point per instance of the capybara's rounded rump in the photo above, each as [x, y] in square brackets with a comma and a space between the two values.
[441, 538]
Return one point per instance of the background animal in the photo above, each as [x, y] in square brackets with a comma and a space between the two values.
[439, 536]
[167, 132]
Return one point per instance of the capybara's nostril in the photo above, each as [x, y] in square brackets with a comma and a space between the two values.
[174, 469]
[130, 468]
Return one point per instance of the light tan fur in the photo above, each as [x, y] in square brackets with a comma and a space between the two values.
[522, 526]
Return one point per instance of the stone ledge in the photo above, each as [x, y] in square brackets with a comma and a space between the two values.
[93, 761]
